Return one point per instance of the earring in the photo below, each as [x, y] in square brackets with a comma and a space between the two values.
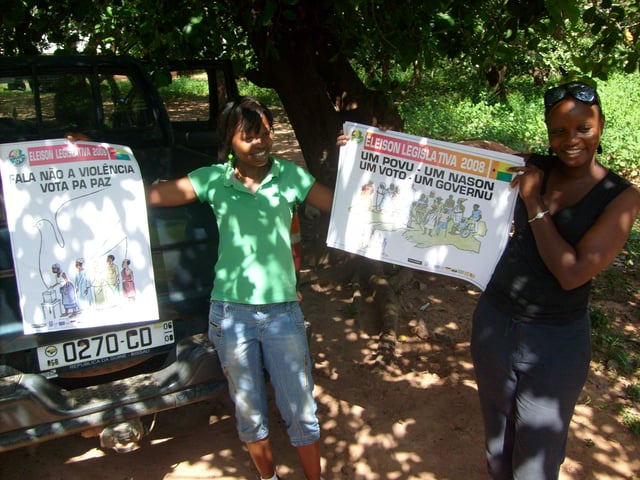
[599, 149]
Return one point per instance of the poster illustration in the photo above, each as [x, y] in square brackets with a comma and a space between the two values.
[421, 203]
[77, 220]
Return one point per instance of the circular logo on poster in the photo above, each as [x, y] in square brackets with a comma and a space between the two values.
[17, 157]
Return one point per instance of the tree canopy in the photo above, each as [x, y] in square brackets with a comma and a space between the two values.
[336, 60]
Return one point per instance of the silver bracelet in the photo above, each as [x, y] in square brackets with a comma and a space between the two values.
[538, 216]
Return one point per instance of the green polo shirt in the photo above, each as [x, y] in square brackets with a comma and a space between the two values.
[255, 263]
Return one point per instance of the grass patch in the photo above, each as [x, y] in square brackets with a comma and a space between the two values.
[631, 419]
[631, 250]
[618, 355]
[633, 392]
[618, 350]
[186, 86]
[350, 310]
[268, 96]
[194, 87]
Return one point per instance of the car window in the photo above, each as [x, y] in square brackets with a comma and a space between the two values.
[104, 103]
[123, 102]
[67, 103]
[187, 96]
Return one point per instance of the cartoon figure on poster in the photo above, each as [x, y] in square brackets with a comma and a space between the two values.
[67, 291]
[128, 285]
[422, 203]
[112, 279]
[83, 286]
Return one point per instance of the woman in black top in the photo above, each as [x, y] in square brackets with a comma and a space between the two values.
[531, 335]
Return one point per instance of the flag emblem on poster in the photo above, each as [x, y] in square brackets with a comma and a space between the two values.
[119, 153]
[500, 171]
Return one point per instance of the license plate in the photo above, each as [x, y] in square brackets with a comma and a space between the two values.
[106, 347]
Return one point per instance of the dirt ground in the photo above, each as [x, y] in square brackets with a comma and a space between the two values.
[416, 418]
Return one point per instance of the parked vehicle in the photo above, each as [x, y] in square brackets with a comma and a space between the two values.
[112, 393]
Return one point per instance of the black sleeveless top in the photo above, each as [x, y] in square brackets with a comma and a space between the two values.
[521, 284]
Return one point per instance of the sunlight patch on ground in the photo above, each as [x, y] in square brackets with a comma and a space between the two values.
[158, 441]
[419, 380]
[405, 460]
[217, 418]
[88, 455]
[468, 366]
[203, 468]
[470, 384]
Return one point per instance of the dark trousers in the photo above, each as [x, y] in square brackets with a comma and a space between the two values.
[529, 378]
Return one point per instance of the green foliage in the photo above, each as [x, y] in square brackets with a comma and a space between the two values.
[190, 87]
[633, 392]
[460, 108]
[621, 139]
[546, 38]
[631, 250]
[453, 104]
[268, 96]
[380, 35]
[182, 87]
[631, 419]
[600, 320]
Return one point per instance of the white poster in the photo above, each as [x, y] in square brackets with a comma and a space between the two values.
[77, 219]
[421, 203]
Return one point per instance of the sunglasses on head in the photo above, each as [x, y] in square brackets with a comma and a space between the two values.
[579, 91]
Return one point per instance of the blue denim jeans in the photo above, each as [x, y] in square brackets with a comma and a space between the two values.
[251, 339]
[529, 378]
